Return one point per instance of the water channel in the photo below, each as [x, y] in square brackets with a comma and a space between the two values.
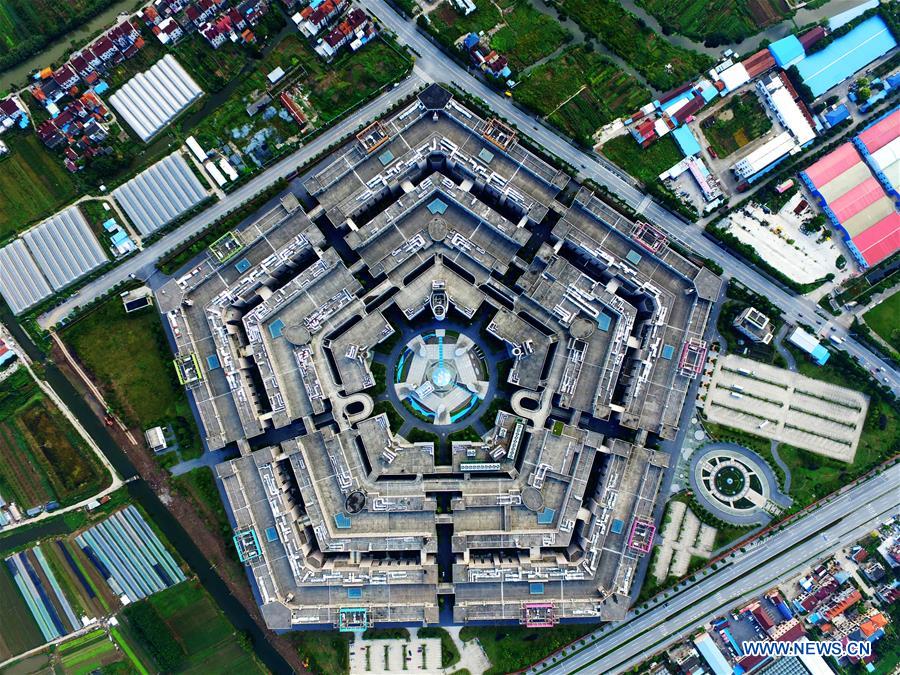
[140, 493]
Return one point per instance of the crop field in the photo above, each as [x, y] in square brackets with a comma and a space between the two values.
[33, 182]
[663, 64]
[884, 319]
[27, 25]
[737, 123]
[134, 370]
[20, 631]
[718, 21]
[88, 653]
[644, 164]
[528, 36]
[183, 630]
[42, 458]
[580, 91]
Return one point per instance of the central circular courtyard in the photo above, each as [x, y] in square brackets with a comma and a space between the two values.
[441, 376]
[729, 480]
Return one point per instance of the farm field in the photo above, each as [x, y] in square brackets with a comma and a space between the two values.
[580, 91]
[26, 26]
[528, 36]
[664, 65]
[135, 370]
[717, 22]
[884, 319]
[42, 457]
[88, 653]
[182, 629]
[33, 182]
[735, 124]
[14, 612]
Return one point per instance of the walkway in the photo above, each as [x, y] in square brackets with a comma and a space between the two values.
[209, 459]
[784, 467]
[784, 351]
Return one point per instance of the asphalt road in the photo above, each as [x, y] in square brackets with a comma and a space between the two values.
[843, 520]
[433, 65]
[142, 264]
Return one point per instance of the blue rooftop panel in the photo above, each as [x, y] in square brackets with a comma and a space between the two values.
[341, 521]
[212, 362]
[603, 321]
[242, 265]
[536, 588]
[386, 157]
[820, 355]
[271, 534]
[486, 155]
[668, 351]
[545, 517]
[437, 206]
[633, 257]
[846, 55]
[687, 143]
[276, 327]
[837, 115]
[618, 526]
[787, 51]
[354, 593]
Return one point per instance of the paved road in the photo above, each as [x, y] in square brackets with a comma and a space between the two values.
[142, 264]
[435, 66]
[844, 520]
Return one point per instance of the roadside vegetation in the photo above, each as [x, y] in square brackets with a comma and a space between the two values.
[130, 360]
[884, 319]
[528, 36]
[579, 91]
[323, 652]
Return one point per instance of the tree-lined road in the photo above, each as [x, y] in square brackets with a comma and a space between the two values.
[833, 525]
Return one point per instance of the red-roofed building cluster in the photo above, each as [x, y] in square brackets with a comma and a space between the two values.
[218, 21]
[356, 30]
[81, 129]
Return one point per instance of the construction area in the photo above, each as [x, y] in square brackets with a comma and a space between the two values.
[784, 406]
[344, 522]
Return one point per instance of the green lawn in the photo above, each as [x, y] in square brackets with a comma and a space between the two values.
[645, 164]
[719, 21]
[512, 648]
[129, 356]
[323, 652]
[884, 319]
[580, 91]
[737, 123]
[33, 183]
[528, 36]
[664, 65]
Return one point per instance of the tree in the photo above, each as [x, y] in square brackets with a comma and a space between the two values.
[863, 94]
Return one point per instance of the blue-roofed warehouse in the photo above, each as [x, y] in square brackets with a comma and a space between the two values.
[712, 655]
[846, 55]
[686, 141]
[787, 51]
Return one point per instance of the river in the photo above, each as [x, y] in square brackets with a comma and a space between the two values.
[57, 51]
[141, 493]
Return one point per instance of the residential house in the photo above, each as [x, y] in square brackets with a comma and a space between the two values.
[169, 31]
[66, 77]
[312, 20]
[355, 30]
[253, 10]
[11, 114]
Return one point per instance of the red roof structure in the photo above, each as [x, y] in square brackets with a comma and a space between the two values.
[881, 133]
[833, 164]
[881, 240]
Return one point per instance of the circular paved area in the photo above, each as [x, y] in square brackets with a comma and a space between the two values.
[735, 484]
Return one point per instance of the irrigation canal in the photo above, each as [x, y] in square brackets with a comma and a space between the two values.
[140, 493]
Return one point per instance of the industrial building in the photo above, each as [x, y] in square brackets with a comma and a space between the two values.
[845, 56]
[854, 200]
[158, 195]
[152, 99]
[341, 521]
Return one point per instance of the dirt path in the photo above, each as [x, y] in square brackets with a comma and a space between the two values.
[182, 508]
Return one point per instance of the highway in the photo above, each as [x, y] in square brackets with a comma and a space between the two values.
[844, 520]
[432, 65]
[142, 264]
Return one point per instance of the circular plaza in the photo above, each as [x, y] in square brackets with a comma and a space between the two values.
[441, 376]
